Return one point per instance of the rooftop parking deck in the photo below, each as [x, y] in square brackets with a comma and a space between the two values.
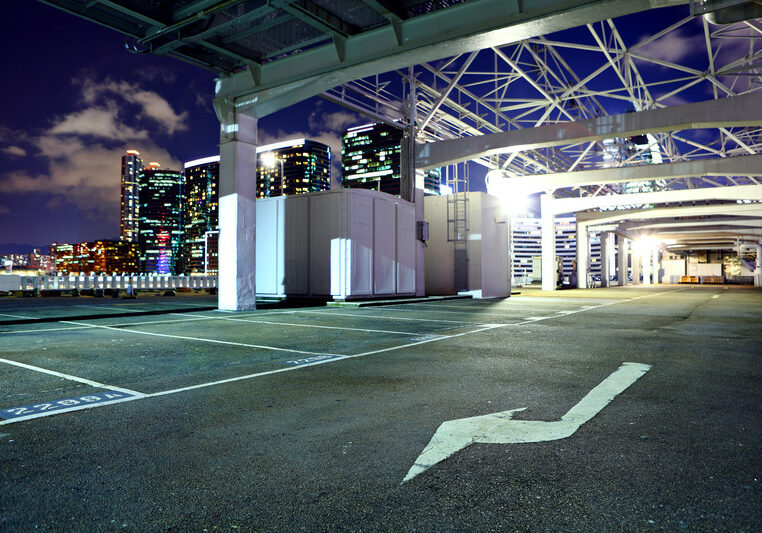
[283, 419]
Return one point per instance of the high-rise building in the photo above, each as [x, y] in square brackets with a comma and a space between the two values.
[200, 215]
[370, 159]
[291, 167]
[160, 229]
[114, 257]
[132, 166]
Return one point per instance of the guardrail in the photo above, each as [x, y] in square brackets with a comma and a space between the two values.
[62, 283]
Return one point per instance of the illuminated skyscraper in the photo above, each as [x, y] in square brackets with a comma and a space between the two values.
[293, 167]
[160, 195]
[200, 215]
[370, 159]
[132, 166]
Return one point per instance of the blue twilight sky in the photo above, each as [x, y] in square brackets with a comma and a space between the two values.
[75, 99]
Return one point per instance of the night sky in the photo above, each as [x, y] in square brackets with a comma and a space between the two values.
[75, 99]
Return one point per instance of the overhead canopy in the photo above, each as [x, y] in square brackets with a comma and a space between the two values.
[269, 44]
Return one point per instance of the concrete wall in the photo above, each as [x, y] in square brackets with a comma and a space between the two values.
[672, 269]
[487, 247]
[343, 244]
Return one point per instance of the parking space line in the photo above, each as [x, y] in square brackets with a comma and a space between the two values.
[90, 326]
[427, 341]
[381, 317]
[14, 316]
[323, 359]
[41, 330]
[69, 377]
[199, 339]
[430, 310]
[315, 326]
[534, 320]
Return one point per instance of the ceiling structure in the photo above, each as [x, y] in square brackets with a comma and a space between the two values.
[487, 67]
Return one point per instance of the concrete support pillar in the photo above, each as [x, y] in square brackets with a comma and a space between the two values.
[411, 184]
[655, 266]
[548, 243]
[606, 256]
[583, 255]
[622, 260]
[646, 261]
[635, 256]
[237, 211]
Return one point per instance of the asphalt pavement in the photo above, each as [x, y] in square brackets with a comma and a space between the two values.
[309, 418]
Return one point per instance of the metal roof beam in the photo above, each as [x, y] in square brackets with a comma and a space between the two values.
[738, 192]
[748, 165]
[732, 111]
[459, 29]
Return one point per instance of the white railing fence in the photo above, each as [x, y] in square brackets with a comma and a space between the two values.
[64, 283]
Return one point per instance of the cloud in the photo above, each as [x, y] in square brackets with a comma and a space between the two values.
[15, 150]
[337, 121]
[674, 46]
[151, 104]
[84, 175]
[97, 122]
[81, 151]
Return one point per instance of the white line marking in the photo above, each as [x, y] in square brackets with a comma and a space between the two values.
[70, 409]
[408, 333]
[42, 329]
[499, 428]
[199, 339]
[361, 315]
[533, 320]
[426, 341]
[107, 307]
[475, 313]
[69, 377]
[15, 316]
[287, 369]
[91, 327]
[716, 296]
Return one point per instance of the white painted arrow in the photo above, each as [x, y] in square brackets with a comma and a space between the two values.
[499, 428]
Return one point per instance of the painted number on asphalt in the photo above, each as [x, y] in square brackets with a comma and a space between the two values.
[26, 410]
[313, 359]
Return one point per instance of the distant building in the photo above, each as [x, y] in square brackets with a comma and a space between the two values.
[132, 166]
[33, 261]
[200, 198]
[293, 167]
[97, 257]
[63, 254]
[370, 159]
[114, 257]
[160, 229]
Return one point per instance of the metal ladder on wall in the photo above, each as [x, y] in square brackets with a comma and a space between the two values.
[457, 221]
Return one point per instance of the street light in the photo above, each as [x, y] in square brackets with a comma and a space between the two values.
[514, 199]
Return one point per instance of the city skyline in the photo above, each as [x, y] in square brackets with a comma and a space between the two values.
[86, 101]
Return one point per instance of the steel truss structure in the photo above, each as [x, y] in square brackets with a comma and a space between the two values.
[590, 72]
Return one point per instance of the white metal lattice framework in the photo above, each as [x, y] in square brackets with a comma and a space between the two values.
[592, 71]
[647, 61]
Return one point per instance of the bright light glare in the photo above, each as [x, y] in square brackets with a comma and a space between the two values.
[645, 245]
[268, 159]
[499, 185]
